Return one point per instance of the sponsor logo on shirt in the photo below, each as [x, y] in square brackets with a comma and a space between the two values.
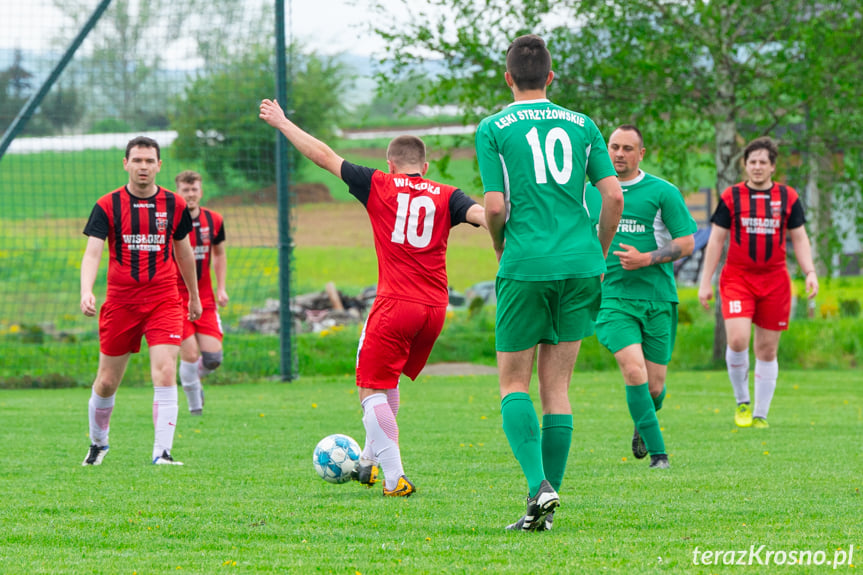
[630, 226]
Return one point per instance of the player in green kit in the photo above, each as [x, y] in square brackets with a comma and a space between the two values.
[638, 318]
[535, 158]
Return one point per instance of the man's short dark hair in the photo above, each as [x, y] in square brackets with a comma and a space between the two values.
[528, 61]
[143, 142]
[763, 143]
[406, 151]
[632, 128]
[187, 177]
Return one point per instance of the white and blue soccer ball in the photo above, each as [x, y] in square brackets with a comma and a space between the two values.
[335, 458]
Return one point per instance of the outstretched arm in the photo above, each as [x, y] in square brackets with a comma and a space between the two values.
[309, 146]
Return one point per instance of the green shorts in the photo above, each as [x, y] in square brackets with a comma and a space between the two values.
[653, 324]
[551, 311]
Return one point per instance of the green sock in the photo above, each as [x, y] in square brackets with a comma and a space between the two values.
[644, 415]
[657, 401]
[522, 431]
[556, 439]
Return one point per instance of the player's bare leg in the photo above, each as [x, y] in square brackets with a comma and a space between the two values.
[211, 354]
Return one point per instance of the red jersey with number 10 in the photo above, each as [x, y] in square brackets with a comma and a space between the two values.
[411, 222]
[411, 218]
[139, 232]
[757, 221]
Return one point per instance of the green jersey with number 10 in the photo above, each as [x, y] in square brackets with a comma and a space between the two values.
[540, 156]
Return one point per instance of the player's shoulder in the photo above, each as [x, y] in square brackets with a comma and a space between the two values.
[728, 192]
[792, 193]
[113, 194]
[179, 202]
[661, 184]
[213, 213]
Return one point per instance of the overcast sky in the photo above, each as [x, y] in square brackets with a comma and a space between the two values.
[326, 26]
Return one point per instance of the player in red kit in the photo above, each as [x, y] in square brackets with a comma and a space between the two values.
[758, 215]
[145, 226]
[201, 350]
[411, 218]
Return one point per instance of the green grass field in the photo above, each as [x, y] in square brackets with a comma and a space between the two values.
[248, 500]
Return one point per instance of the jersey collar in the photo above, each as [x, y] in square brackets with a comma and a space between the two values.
[634, 180]
[537, 101]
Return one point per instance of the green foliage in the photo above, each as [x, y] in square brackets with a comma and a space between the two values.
[226, 135]
[109, 126]
[849, 308]
[243, 499]
[695, 76]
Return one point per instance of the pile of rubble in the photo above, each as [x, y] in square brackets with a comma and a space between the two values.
[318, 311]
[312, 312]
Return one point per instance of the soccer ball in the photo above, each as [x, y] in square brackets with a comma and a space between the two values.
[335, 458]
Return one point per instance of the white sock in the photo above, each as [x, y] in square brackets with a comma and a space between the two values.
[202, 371]
[191, 384]
[738, 373]
[99, 410]
[766, 373]
[164, 418]
[382, 434]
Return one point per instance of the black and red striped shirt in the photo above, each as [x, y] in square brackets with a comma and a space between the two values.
[208, 230]
[140, 232]
[757, 221]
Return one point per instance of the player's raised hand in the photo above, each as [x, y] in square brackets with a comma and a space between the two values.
[272, 113]
[88, 304]
[631, 258]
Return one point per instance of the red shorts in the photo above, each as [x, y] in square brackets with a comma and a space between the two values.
[121, 326]
[765, 298]
[397, 338]
[209, 324]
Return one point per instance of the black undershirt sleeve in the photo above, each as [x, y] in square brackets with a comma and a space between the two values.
[97, 226]
[459, 204]
[359, 180]
[722, 216]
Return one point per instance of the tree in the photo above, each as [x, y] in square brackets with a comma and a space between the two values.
[216, 119]
[694, 75]
[128, 46]
[15, 85]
